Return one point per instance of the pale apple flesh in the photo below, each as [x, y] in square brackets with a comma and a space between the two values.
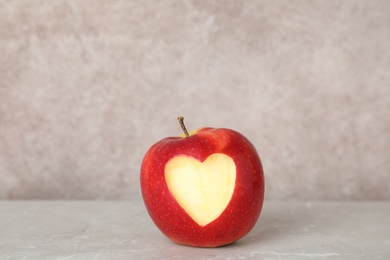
[203, 190]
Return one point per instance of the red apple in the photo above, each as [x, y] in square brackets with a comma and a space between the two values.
[203, 189]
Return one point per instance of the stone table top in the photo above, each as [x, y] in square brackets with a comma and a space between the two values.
[124, 230]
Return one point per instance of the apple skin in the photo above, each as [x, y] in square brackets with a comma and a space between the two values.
[243, 210]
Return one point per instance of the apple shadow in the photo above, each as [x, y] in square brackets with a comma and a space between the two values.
[278, 222]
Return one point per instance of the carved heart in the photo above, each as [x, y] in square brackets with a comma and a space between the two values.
[203, 190]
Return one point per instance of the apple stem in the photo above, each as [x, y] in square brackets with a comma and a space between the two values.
[181, 121]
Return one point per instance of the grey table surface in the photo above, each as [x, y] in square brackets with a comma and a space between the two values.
[123, 230]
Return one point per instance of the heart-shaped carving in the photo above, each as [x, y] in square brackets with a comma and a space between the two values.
[203, 189]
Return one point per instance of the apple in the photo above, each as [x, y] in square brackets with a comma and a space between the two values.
[204, 188]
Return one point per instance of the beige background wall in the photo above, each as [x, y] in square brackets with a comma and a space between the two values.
[87, 86]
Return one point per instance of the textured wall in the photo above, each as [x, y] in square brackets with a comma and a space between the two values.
[87, 86]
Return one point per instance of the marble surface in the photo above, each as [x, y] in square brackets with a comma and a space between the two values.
[86, 87]
[123, 230]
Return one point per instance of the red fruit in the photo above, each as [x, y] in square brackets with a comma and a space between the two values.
[205, 189]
